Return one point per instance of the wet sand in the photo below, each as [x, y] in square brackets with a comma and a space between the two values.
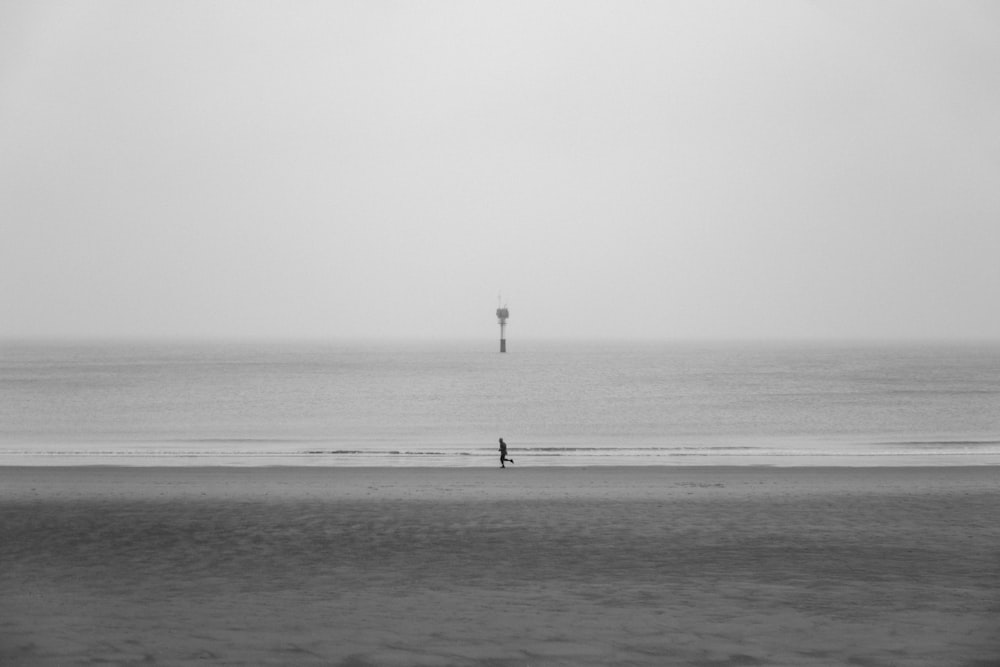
[527, 566]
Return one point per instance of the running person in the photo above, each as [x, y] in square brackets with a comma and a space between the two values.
[503, 453]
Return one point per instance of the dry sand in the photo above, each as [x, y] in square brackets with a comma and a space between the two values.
[525, 566]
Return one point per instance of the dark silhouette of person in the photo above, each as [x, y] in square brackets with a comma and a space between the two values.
[503, 454]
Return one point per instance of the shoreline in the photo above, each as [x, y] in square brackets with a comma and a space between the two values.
[445, 482]
[720, 566]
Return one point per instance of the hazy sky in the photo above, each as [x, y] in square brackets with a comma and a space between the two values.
[640, 169]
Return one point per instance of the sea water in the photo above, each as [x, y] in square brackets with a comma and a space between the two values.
[447, 403]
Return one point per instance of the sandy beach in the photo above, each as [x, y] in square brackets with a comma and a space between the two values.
[709, 567]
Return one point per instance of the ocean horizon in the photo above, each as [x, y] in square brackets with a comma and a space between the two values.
[445, 403]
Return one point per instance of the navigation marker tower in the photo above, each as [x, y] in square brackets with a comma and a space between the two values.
[502, 315]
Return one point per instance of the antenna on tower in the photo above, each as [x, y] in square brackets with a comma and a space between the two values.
[502, 315]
